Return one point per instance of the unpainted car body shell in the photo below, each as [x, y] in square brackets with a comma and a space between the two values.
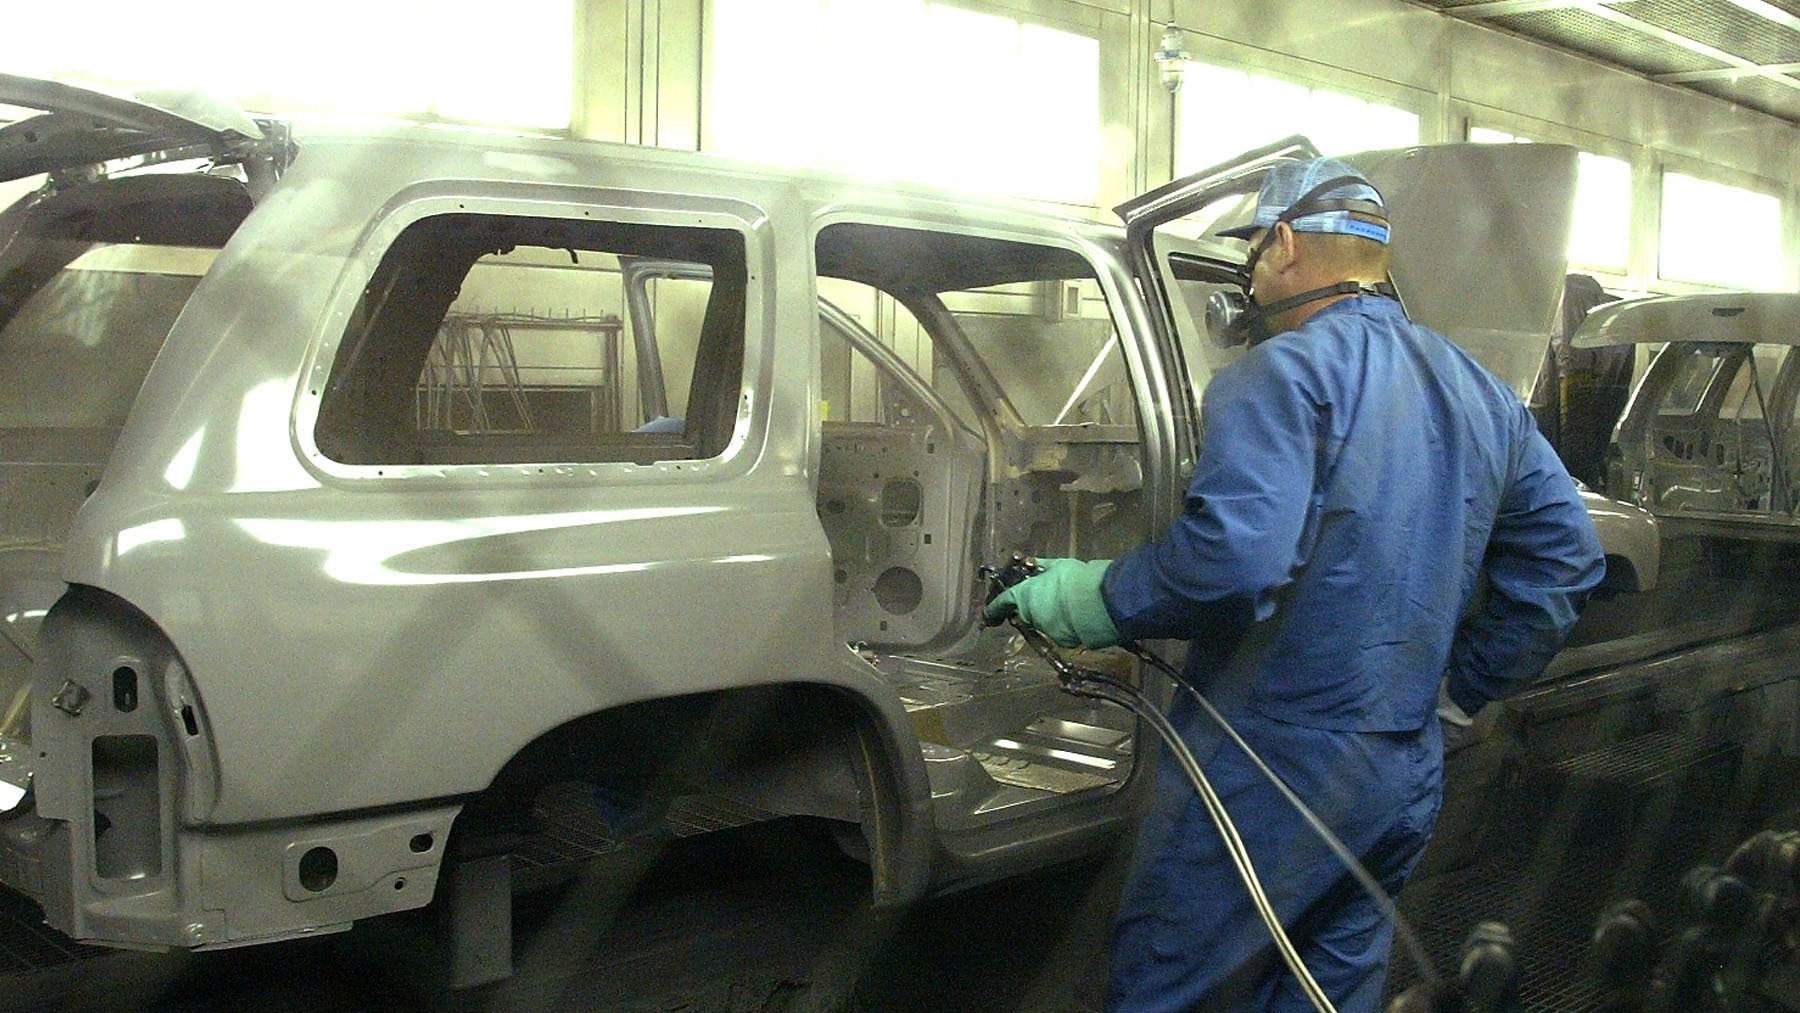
[412, 592]
[346, 654]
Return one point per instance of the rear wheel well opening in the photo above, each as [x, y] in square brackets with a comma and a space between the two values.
[682, 766]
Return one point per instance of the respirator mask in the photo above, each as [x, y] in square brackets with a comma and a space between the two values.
[1236, 318]
[1233, 320]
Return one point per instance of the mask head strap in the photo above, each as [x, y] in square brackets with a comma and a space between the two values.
[1310, 203]
[1380, 288]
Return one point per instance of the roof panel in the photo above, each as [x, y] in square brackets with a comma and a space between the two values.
[1720, 25]
[1595, 36]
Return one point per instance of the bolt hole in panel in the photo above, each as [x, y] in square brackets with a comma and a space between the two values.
[899, 590]
[127, 808]
[901, 501]
[125, 689]
[318, 869]
[354, 856]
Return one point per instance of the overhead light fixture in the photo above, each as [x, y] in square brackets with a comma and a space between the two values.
[1171, 57]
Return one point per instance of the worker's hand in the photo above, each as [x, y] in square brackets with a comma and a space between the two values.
[1063, 602]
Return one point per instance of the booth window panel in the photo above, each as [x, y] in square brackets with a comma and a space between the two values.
[1006, 106]
[1224, 112]
[1600, 233]
[1716, 234]
[1488, 135]
[465, 61]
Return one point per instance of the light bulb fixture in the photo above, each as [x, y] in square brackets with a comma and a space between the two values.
[1171, 57]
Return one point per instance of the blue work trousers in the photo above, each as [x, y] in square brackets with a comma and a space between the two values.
[1188, 937]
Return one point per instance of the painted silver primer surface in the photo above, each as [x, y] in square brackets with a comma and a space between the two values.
[292, 672]
[413, 598]
[1738, 317]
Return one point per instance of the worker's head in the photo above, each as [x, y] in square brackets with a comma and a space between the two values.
[1316, 223]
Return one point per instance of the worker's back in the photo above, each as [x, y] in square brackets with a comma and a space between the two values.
[1416, 446]
[1413, 447]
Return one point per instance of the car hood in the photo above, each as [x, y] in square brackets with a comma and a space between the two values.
[81, 126]
[1480, 235]
[1771, 318]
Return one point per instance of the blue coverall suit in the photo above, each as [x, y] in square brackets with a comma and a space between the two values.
[1356, 476]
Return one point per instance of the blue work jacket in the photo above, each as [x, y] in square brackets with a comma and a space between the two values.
[1356, 476]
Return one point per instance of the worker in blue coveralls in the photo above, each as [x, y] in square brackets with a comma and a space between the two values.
[1357, 476]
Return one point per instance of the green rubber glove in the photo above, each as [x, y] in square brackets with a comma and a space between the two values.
[1063, 603]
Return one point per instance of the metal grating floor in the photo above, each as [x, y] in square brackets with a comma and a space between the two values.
[28, 945]
[1573, 838]
[1645, 760]
[1539, 912]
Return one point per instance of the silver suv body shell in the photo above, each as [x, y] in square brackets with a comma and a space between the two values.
[1707, 442]
[275, 689]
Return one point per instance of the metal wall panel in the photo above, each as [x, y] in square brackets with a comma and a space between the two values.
[642, 69]
[1489, 69]
[1075, 15]
[1757, 92]
[603, 75]
[1733, 137]
[1382, 39]
[679, 40]
[1136, 139]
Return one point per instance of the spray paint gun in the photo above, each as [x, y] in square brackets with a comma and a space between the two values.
[1075, 679]
[1005, 575]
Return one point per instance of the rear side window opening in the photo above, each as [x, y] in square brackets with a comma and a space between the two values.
[1695, 375]
[507, 339]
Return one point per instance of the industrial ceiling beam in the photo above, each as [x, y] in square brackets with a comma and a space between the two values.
[1768, 12]
[1729, 73]
[1735, 66]
[1501, 8]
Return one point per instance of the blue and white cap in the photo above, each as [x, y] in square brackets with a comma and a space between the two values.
[1323, 195]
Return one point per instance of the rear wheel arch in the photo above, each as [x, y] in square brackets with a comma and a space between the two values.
[787, 749]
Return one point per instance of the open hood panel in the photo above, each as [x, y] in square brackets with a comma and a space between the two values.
[1770, 318]
[80, 126]
[1480, 235]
